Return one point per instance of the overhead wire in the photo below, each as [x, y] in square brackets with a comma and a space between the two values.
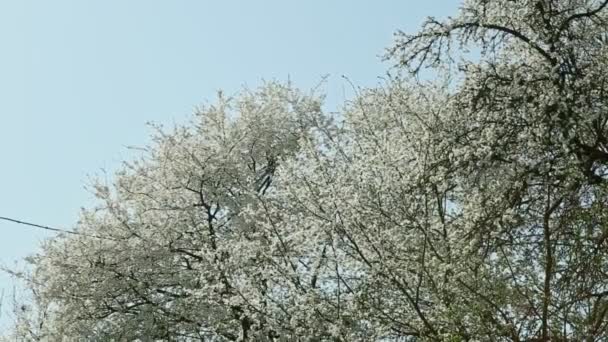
[54, 229]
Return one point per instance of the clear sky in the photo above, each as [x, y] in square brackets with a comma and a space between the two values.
[80, 78]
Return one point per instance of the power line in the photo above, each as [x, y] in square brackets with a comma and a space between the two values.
[59, 230]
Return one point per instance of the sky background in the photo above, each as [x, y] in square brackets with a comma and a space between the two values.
[79, 79]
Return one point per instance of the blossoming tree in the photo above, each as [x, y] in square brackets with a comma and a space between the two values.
[471, 207]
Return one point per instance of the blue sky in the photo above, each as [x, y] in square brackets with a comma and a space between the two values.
[79, 80]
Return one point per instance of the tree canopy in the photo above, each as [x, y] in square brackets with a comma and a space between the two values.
[466, 206]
